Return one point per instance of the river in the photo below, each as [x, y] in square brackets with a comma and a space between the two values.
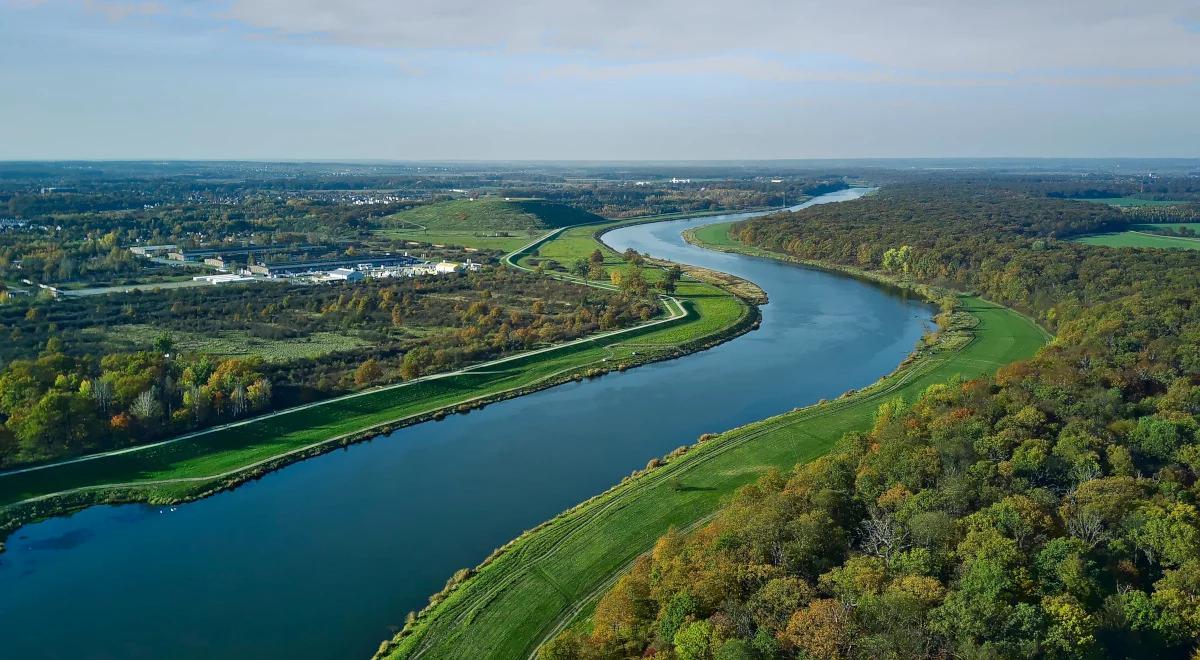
[320, 559]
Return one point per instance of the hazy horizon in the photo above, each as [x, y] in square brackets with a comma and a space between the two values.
[665, 80]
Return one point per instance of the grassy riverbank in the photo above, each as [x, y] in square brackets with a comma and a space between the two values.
[551, 576]
[208, 462]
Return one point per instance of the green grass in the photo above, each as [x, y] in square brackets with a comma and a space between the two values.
[479, 239]
[234, 343]
[520, 597]
[490, 214]
[1194, 226]
[1130, 201]
[1141, 240]
[716, 235]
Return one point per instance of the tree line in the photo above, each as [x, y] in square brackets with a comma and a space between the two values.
[1048, 511]
[75, 379]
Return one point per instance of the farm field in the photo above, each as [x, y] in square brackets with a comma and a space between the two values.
[1142, 240]
[520, 597]
[1129, 201]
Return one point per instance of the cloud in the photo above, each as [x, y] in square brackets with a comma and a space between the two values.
[963, 36]
[774, 70]
[116, 10]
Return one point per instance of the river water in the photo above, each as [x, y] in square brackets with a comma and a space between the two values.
[321, 559]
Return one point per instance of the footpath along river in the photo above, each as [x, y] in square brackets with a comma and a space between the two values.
[319, 559]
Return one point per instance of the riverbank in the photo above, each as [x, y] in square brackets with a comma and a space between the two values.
[548, 577]
[699, 316]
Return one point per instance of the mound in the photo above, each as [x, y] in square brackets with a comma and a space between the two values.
[488, 214]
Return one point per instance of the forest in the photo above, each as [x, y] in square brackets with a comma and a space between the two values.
[1048, 511]
[70, 384]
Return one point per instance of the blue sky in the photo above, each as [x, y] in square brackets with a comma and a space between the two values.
[654, 79]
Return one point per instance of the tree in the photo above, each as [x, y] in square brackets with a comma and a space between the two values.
[164, 343]
[670, 279]
[694, 641]
[146, 407]
[60, 422]
[368, 372]
[101, 391]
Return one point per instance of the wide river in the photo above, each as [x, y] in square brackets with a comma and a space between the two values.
[322, 558]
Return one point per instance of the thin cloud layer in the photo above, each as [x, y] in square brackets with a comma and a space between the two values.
[927, 35]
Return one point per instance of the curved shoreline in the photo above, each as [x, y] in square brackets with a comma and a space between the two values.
[471, 597]
[40, 507]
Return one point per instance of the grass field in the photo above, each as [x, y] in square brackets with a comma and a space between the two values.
[490, 214]
[1129, 201]
[1141, 239]
[233, 343]
[484, 224]
[551, 576]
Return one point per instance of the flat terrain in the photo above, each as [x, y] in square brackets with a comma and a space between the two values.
[1130, 201]
[550, 577]
[1141, 239]
[234, 343]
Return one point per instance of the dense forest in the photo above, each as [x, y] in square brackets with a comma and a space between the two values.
[64, 390]
[1048, 511]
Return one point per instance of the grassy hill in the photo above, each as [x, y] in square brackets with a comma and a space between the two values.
[485, 214]
[485, 224]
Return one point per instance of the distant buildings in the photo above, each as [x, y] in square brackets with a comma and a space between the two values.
[230, 253]
[360, 263]
[344, 275]
[224, 278]
[153, 250]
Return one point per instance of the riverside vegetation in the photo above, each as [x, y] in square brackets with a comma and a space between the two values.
[697, 315]
[1047, 510]
[549, 577]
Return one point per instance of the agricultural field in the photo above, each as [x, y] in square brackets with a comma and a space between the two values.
[1130, 201]
[1141, 239]
[550, 577]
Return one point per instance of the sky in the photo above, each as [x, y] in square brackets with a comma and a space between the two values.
[598, 79]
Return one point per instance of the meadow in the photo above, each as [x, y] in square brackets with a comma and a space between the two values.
[1141, 239]
[234, 343]
[489, 214]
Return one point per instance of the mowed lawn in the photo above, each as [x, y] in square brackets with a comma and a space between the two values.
[1142, 240]
[554, 574]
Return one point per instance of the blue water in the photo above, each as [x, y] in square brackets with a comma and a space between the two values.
[321, 559]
